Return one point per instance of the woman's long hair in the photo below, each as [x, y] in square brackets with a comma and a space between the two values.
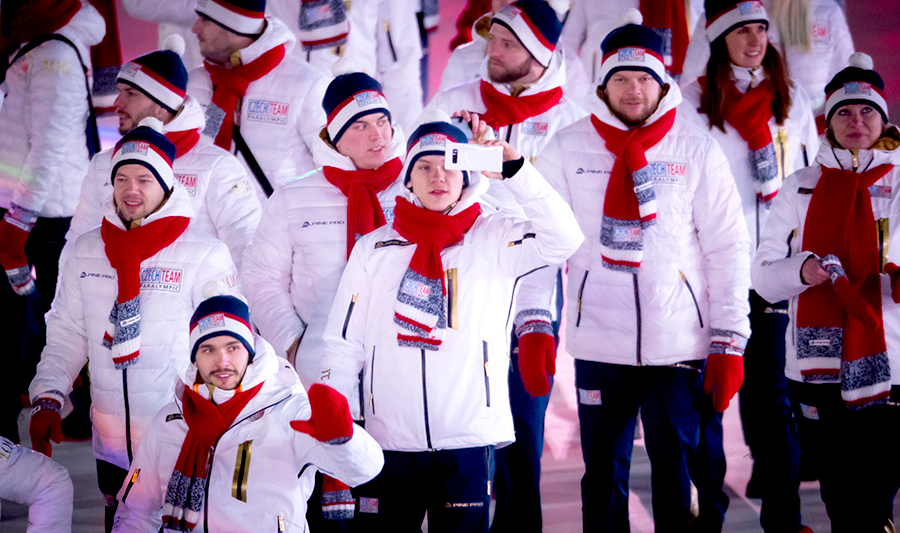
[718, 75]
[793, 20]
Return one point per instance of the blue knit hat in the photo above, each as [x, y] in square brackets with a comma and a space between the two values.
[535, 25]
[159, 75]
[431, 138]
[723, 16]
[146, 146]
[350, 96]
[243, 17]
[221, 315]
[632, 47]
[856, 84]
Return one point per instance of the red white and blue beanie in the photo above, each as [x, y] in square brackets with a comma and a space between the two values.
[856, 84]
[350, 96]
[221, 315]
[159, 75]
[243, 17]
[431, 138]
[723, 16]
[632, 47]
[535, 25]
[146, 146]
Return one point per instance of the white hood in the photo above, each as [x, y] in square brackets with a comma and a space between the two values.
[597, 107]
[190, 117]
[275, 33]
[86, 29]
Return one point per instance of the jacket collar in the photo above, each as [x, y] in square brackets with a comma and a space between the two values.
[832, 156]
[325, 154]
[276, 33]
[599, 109]
[190, 117]
[554, 76]
[745, 78]
[177, 205]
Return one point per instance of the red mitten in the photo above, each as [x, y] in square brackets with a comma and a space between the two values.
[46, 424]
[847, 294]
[723, 378]
[894, 272]
[537, 360]
[12, 256]
[330, 421]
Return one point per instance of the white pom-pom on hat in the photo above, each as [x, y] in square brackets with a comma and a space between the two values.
[175, 43]
[861, 60]
[152, 122]
[433, 115]
[343, 65]
[632, 16]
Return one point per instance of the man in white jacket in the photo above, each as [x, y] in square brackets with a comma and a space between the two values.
[224, 199]
[28, 477]
[43, 157]
[423, 311]
[195, 470]
[660, 286]
[261, 102]
[123, 287]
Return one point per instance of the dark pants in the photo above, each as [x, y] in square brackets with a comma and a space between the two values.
[609, 397]
[856, 455]
[452, 486]
[110, 479]
[708, 470]
[22, 322]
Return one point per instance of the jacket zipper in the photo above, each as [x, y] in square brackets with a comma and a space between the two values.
[855, 159]
[425, 402]
[637, 308]
[280, 524]
[509, 132]
[209, 465]
[127, 414]
[693, 296]
[487, 374]
[781, 135]
[347, 318]
[372, 382]
[387, 30]
[134, 476]
[580, 295]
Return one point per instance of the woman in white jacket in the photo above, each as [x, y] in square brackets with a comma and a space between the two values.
[423, 311]
[30, 478]
[764, 125]
[831, 224]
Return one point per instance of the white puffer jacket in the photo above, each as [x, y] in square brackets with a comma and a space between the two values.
[780, 256]
[294, 263]
[694, 275]
[31, 478]
[265, 490]
[173, 282]
[281, 113]
[465, 64]
[174, 17]
[43, 156]
[796, 144]
[456, 397]
[221, 193]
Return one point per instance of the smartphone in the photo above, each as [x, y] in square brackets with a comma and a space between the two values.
[473, 157]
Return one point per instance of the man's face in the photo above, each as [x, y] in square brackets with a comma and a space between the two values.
[856, 126]
[132, 106]
[508, 60]
[633, 95]
[367, 142]
[216, 43]
[436, 187]
[222, 361]
[136, 192]
[747, 45]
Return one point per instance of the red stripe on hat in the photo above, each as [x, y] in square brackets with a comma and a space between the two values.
[158, 151]
[239, 10]
[646, 51]
[540, 36]
[721, 14]
[162, 81]
[873, 87]
[346, 102]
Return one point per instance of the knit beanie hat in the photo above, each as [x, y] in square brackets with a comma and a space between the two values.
[221, 315]
[856, 84]
[159, 75]
[722, 16]
[243, 17]
[146, 146]
[632, 47]
[535, 25]
[350, 96]
[431, 138]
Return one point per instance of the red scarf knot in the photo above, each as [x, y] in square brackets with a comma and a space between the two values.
[503, 109]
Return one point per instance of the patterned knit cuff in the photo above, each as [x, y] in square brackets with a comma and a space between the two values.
[45, 404]
[534, 321]
[20, 217]
[726, 342]
[833, 266]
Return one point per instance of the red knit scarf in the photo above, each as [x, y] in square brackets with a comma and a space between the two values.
[833, 345]
[503, 109]
[421, 311]
[231, 84]
[184, 141]
[206, 422]
[629, 206]
[749, 113]
[670, 22]
[361, 188]
[40, 17]
[125, 251]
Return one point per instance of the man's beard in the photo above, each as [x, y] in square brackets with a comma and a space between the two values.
[509, 74]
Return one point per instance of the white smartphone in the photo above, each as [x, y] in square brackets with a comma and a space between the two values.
[473, 157]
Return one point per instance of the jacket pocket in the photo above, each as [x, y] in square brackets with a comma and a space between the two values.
[390, 40]
[349, 313]
[693, 296]
[580, 296]
[241, 471]
[487, 373]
